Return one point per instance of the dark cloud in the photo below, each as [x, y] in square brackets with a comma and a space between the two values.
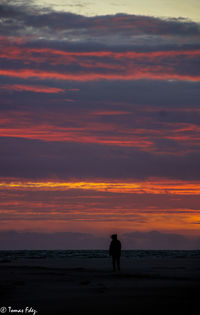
[26, 19]
[158, 240]
[58, 240]
[38, 159]
[128, 95]
[64, 20]
[69, 240]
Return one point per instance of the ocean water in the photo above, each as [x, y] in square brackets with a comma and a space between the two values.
[12, 255]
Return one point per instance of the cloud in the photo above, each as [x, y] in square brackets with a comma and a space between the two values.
[103, 98]
[158, 240]
[72, 240]
[45, 63]
[34, 158]
[26, 19]
[171, 131]
[31, 88]
[57, 240]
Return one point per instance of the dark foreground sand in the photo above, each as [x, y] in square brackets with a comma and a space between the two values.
[88, 286]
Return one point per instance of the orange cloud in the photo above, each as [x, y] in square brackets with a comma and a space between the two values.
[153, 204]
[150, 186]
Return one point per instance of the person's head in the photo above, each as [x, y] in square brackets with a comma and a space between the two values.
[114, 236]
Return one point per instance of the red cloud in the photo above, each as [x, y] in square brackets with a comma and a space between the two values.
[151, 73]
[89, 129]
[32, 88]
[95, 65]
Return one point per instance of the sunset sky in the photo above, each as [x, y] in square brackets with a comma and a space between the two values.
[100, 121]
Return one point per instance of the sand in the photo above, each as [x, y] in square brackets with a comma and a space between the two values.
[89, 286]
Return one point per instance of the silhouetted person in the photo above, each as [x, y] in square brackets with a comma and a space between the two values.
[115, 251]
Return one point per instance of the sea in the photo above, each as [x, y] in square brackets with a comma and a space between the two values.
[13, 255]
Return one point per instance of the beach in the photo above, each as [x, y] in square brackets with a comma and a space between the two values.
[77, 285]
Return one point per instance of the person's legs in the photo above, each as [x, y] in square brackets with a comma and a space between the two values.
[118, 262]
[113, 262]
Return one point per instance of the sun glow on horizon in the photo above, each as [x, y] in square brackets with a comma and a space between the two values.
[150, 186]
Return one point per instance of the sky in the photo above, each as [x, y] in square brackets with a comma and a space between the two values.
[160, 8]
[99, 124]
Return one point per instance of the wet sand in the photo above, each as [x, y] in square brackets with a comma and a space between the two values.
[89, 286]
